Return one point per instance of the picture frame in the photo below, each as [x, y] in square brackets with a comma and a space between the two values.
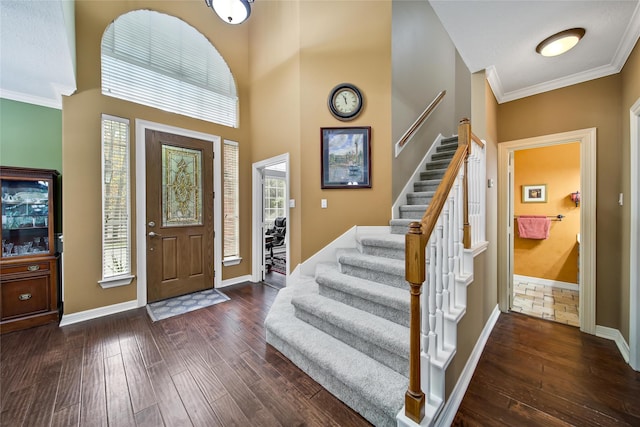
[534, 193]
[345, 154]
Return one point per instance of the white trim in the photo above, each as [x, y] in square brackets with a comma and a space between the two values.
[235, 260]
[479, 247]
[94, 313]
[546, 282]
[587, 269]
[257, 232]
[55, 103]
[234, 281]
[614, 335]
[634, 241]
[141, 199]
[114, 282]
[455, 398]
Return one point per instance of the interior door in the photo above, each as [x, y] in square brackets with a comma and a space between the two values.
[179, 184]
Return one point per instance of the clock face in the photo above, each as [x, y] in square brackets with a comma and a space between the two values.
[345, 101]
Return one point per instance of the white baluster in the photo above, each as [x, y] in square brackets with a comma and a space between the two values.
[439, 271]
[446, 244]
[433, 344]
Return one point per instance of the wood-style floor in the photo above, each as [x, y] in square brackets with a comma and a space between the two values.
[536, 372]
[211, 367]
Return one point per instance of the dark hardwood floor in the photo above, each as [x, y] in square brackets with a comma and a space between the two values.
[536, 372]
[210, 367]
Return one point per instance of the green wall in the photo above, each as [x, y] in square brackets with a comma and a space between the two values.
[30, 135]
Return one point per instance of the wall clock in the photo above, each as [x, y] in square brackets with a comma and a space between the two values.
[345, 101]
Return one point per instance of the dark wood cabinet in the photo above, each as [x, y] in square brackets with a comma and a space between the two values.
[29, 263]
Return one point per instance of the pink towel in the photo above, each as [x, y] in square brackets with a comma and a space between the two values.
[533, 227]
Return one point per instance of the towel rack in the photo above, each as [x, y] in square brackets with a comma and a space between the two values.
[553, 217]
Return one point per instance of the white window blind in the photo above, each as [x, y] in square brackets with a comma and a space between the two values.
[116, 231]
[176, 69]
[231, 190]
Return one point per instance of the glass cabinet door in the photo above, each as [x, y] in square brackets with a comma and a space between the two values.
[25, 217]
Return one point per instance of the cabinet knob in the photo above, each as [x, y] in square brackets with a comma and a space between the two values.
[33, 268]
[24, 297]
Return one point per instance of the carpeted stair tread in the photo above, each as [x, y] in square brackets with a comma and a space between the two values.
[420, 197]
[443, 155]
[426, 185]
[400, 225]
[385, 341]
[432, 174]
[385, 245]
[377, 269]
[385, 301]
[438, 164]
[370, 388]
[415, 212]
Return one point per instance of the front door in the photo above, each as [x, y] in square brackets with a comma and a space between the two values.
[179, 183]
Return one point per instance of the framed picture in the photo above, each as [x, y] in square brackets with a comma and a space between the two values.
[534, 193]
[346, 157]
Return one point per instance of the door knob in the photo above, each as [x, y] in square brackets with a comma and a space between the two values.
[152, 234]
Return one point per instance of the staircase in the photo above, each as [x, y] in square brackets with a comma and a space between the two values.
[348, 326]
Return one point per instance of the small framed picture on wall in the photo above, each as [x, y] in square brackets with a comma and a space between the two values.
[534, 193]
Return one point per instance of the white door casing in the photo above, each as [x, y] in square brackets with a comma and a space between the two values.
[587, 274]
[634, 250]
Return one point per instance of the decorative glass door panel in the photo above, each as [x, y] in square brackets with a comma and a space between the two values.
[25, 217]
[181, 186]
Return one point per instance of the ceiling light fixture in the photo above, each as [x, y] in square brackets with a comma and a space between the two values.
[231, 11]
[561, 42]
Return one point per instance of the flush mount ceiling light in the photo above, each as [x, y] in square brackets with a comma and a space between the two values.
[561, 42]
[231, 11]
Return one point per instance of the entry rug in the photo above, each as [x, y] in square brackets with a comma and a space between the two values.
[184, 304]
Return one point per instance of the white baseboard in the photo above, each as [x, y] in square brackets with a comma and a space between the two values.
[455, 399]
[614, 335]
[234, 281]
[81, 316]
[546, 282]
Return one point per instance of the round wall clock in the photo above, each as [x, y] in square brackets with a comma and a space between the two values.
[345, 101]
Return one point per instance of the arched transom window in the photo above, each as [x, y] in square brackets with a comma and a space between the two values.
[159, 60]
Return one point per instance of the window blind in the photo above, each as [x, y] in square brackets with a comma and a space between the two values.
[231, 190]
[176, 69]
[116, 240]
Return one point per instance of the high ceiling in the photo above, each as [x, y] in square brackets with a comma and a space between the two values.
[37, 44]
[501, 37]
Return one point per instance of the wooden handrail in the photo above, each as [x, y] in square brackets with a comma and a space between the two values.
[477, 140]
[420, 120]
[415, 245]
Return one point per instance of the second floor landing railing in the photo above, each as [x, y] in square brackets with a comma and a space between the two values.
[448, 214]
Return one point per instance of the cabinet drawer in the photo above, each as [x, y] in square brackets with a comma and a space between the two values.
[30, 267]
[23, 296]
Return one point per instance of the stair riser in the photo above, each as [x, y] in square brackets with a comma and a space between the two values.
[446, 148]
[382, 251]
[418, 200]
[417, 215]
[382, 355]
[440, 164]
[390, 313]
[445, 155]
[398, 229]
[422, 186]
[437, 174]
[375, 276]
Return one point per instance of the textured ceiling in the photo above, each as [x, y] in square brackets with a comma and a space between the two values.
[501, 37]
[37, 44]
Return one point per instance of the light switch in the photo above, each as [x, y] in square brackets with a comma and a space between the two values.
[323, 203]
[621, 199]
[490, 183]
[292, 203]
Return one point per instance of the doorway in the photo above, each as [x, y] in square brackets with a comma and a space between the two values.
[143, 246]
[545, 191]
[507, 225]
[179, 187]
[271, 223]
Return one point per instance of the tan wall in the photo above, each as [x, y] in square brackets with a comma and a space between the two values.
[81, 142]
[591, 104]
[555, 258]
[344, 41]
[630, 94]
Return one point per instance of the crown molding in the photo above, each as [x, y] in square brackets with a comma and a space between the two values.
[32, 99]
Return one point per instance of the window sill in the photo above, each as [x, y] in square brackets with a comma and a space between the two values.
[227, 262]
[116, 281]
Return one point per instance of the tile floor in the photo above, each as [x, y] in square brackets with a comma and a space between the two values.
[559, 305]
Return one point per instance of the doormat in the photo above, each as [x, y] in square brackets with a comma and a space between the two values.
[184, 304]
